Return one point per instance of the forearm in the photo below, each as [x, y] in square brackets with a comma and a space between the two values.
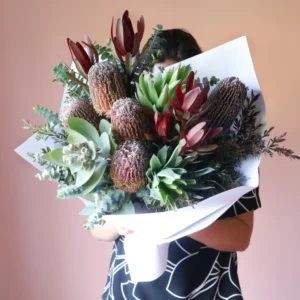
[106, 232]
[231, 234]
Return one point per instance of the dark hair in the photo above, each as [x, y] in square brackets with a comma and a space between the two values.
[175, 44]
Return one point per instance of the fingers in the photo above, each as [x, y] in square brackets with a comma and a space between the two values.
[124, 230]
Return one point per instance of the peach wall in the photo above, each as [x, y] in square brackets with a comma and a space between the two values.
[45, 253]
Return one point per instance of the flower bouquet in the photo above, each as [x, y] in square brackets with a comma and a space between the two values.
[182, 143]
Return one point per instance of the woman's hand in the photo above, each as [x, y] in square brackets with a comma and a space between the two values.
[109, 232]
[123, 230]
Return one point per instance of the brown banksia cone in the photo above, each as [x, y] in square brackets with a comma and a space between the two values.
[128, 120]
[78, 108]
[129, 165]
[106, 86]
[225, 102]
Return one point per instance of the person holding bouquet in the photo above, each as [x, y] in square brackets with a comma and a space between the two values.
[202, 265]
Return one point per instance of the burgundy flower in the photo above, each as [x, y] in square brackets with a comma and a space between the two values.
[83, 58]
[126, 41]
[164, 124]
[198, 135]
[190, 102]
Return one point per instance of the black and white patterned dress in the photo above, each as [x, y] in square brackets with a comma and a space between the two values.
[194, 271]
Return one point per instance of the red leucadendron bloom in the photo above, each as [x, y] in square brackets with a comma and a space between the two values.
[83, 58]
[126, 41]
[199, 134]
[164, 124]
[189, 102]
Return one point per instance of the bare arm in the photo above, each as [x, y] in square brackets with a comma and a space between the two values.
[231, 234]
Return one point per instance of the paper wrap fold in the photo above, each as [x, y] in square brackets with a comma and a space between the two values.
[147, 248]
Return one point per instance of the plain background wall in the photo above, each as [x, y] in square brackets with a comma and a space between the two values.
[45, 253]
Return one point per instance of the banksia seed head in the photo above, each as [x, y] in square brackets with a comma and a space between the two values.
[78, 108]
[129, 165]
[128, 120]
[225, 102]
[106, 86]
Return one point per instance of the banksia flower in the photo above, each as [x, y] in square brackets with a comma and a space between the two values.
[129, 165]
[128, 120]
[80, 109]
[106, 86]
[225, 102]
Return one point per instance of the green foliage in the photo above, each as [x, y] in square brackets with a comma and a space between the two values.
[81, 131]
[48, 115]
[73, 89]
[246, 126]
[52, 171]
[83, 175]
[95, 178]
[104, 52]
[206, 81]
[75, 138]
[105, 126]
[213, 81]
[273, 146]
[43, 132]
[104, 143]
[85, 158]
[105, 129]
[56, 157]
[85, 129]
[57, 173]
[38, 157]
[108, 200]
[150, 52]
[69, 192]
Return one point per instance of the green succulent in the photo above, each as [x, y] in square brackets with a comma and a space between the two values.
[86, 155]
[169, 178]
[153, 92]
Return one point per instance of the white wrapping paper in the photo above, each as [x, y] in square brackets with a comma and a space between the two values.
[147, 247]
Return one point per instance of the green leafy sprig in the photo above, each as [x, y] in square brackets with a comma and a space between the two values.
[43, 132]
[69, 192]
[150, 52]
[107, 200]
[273, 146]
[74, 89]
[49, 116]
[105, 51]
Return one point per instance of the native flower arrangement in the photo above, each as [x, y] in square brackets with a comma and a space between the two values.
[128, 135]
